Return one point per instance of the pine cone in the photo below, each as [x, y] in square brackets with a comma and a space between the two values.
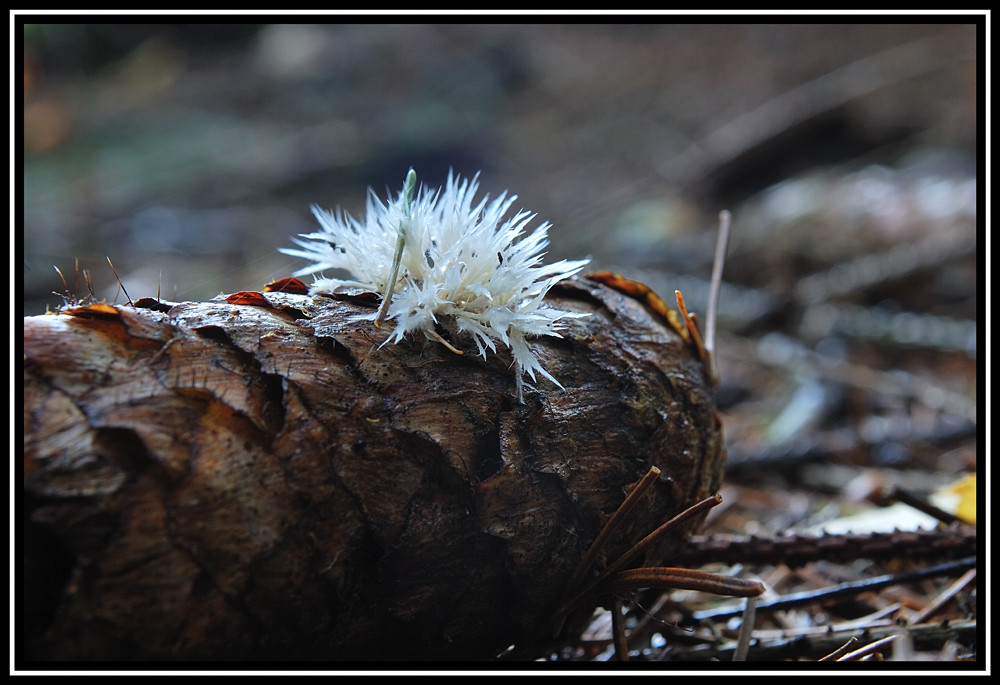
[219, 480]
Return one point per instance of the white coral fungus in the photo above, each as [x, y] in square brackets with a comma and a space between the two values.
[454, 259]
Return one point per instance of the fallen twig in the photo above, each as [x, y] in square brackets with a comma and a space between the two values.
[844, 589]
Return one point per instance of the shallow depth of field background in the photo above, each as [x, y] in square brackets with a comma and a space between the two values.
[847, 154]
[189, 154]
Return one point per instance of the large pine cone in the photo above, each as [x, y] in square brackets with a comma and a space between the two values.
[229, 481]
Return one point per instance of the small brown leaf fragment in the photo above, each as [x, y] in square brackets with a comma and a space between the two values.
[644, 294]
[361, 296]
[249, 297]
[92, 311]
[155, 305]
[292, 286]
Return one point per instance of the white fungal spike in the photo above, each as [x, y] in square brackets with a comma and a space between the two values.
[440, 255]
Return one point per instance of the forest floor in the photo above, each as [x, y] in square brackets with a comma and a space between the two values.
[848, 329]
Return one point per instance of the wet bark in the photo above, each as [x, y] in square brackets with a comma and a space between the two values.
[223, 480]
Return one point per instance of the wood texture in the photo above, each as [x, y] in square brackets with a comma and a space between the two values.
[209, 480]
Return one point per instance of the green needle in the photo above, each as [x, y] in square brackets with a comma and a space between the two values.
[408, 188]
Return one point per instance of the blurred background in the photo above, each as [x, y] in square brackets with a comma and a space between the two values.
[847, 154]
[189, 153]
